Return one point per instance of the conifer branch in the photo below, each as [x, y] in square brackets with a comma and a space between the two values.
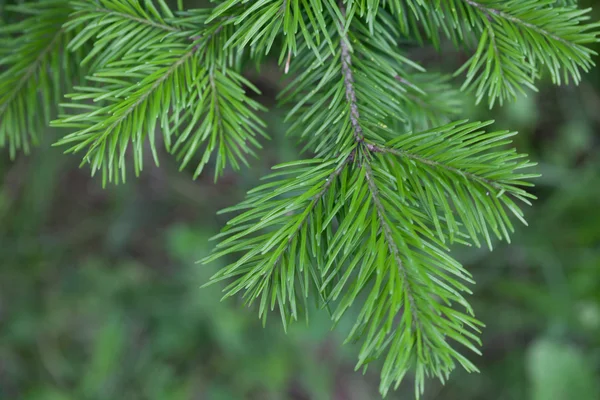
[518, 21]
[346, 60]
[401, 153]
[32, 79]
[392, 184]
[549, 36]
[326, 186]
[349, 87]
[391, 242]
[144, 96]
[195, 113]
[31, 70]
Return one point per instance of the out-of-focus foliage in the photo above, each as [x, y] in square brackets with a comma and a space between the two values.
[121, 330]
[558, 370]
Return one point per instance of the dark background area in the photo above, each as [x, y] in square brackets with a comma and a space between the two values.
[100, 294]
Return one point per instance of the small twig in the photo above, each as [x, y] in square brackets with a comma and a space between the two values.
[145, 95]
[346, 58]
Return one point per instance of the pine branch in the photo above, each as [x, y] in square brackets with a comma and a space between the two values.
[283, 261]
[30, 76]
[392, 247]
[551, 36]
[514, 40]
[468, 175]
[193, 94]
[510, 72]
[378, 251]
[319, 113]
[543, 30]
[403, 199]
[470, 168]
[366, 222]
[346, 60]
[119, 28]
[374, 342]
[32, 69]
[431, 21]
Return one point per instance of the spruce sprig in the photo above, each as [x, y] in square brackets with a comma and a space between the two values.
[367, 219]
[35, 71]
[375, 222]
[517, 41]
[177, 79]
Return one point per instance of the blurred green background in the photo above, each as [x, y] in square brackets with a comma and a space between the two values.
[100, 294]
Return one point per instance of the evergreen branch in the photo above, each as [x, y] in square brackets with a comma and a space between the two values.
[403, 153]
[328, 182]
[398, 203]
[552, 36]
[346, 60]
[497, 70]
[104, 127]
[143, 96]
[119, 29]
[278, 263]
[489, 11]
[391, 243]
[424, 331]
[259, 23]
[208, 108]
[370, 218]
[519, 37]
[467, 166]
[304, 219]
[378, 249]
[322, 113]
[31, 70]
[230, 123]
[30, 76]
[420, 20]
